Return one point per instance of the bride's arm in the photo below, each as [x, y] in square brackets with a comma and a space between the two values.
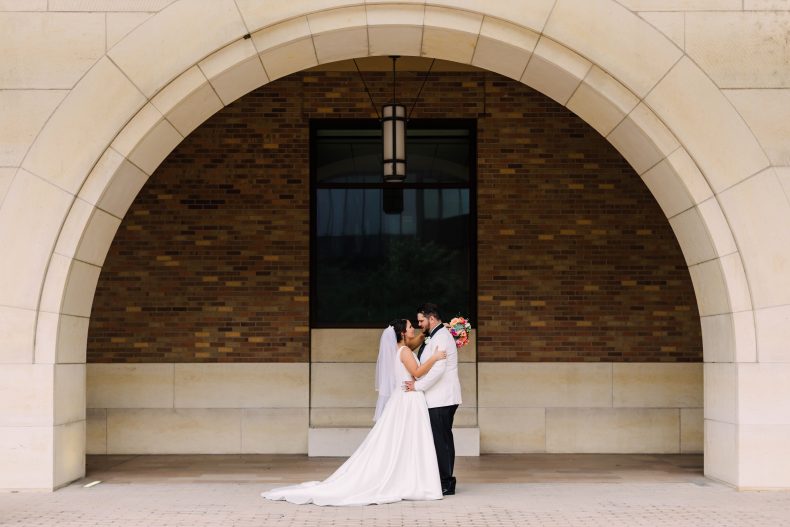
[415, 341]
[414, 370]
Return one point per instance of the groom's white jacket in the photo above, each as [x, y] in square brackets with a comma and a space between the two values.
[441, 384]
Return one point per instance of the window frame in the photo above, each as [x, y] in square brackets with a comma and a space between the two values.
[347, 124]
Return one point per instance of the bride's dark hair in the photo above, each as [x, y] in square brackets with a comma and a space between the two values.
[399, 324]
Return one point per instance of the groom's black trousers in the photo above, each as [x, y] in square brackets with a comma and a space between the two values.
[442, 428]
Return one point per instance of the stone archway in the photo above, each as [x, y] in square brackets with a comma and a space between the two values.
[600, 60]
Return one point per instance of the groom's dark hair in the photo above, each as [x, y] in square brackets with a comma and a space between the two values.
[429, 309]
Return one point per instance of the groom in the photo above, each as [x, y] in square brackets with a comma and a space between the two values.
[442, 390]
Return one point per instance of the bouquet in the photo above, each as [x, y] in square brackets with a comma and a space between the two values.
[459, 328]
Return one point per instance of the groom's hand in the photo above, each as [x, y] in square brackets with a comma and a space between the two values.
[408, 386]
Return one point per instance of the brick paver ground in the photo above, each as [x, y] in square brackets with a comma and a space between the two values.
[602, 498]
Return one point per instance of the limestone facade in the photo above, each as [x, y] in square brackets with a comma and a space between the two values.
[96, 94]
[157, 408]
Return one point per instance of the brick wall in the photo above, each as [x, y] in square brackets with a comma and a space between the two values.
[211, 262]
[575, 260]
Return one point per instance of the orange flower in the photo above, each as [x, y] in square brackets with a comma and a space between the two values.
[459, 328]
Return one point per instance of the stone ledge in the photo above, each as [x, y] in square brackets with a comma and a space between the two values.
[342, 442]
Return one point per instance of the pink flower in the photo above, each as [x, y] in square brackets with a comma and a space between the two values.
[459, 328]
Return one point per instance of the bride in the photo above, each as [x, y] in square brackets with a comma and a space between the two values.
[397, 460]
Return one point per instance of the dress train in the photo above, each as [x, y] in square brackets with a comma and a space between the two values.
[396, 461]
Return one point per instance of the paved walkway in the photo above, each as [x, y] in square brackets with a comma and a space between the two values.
[544, 490]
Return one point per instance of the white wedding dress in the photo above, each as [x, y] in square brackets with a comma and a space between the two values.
[396, 461]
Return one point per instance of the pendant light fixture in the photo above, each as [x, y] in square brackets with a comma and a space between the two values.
[393, 134]
[393, 127]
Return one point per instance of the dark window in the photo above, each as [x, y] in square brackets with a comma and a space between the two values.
[379, 250]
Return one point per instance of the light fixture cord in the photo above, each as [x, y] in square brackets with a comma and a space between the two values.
[408, 117]
[378, 116]
[394, 79]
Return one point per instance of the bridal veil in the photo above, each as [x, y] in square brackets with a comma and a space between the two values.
[386, 380]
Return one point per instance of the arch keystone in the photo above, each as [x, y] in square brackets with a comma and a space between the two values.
[395, 29]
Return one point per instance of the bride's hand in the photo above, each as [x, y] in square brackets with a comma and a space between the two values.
[440, 355]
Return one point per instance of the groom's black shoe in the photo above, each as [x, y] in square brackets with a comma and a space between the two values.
[449, 490]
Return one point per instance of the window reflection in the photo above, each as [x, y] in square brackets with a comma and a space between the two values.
[354, 156]
[381, 250]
